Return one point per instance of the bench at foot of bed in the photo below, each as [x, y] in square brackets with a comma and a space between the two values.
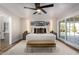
[41, 43]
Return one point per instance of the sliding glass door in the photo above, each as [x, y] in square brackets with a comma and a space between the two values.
[69, 30]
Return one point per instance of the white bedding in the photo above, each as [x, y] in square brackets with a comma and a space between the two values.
[47, 36]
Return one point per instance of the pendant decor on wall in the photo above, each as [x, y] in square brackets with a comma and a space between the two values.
[39, 23]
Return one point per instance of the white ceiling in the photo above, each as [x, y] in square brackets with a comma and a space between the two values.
[59, 10]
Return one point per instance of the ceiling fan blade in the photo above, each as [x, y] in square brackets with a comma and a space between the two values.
[46, 6]
[34, 12]
[43, 11]
[37, 5]
[30, 8]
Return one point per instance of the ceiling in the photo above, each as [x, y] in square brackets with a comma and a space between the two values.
[59, 10]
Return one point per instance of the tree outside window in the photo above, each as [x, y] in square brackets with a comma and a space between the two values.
[74, 29]
[63, 28]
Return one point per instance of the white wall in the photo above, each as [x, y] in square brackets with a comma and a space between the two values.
[25, 25]
[54, 25]
[16, 29]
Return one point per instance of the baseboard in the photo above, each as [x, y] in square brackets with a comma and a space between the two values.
[17, 41]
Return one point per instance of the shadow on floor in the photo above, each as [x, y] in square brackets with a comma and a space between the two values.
[39, 50]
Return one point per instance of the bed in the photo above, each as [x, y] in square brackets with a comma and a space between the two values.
[46, 36]
[45, 40]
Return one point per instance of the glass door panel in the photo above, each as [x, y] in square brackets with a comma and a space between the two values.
[76, 38]
[62, 29]
[70, 29]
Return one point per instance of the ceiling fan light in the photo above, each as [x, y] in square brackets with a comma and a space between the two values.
[38, 10]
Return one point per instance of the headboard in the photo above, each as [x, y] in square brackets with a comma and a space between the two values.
[40, 30]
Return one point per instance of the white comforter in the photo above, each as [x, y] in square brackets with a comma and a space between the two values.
[47, 36]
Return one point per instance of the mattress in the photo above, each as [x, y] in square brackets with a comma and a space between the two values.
[47, 36]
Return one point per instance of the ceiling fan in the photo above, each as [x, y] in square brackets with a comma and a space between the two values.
[39, 8]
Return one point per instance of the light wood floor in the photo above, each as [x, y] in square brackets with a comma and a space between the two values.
[20, 49]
